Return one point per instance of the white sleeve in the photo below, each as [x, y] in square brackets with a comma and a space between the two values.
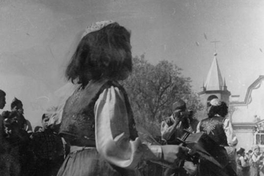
[198, 127]
[112, 132]
[230, 135]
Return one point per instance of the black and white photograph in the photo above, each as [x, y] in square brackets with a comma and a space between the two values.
[131, 88]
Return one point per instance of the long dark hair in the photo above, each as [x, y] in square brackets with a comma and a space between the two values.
[221, 110]
[105, 53]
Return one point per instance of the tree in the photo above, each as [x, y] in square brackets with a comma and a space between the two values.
[153, 89]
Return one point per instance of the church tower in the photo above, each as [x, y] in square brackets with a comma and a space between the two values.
[214, 86]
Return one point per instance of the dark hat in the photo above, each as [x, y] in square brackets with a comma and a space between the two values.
[179, 105]
[5, 114]
[2, 93]
[16, 102]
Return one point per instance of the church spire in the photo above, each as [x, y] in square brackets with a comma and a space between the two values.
[214, 80]
[225, 87]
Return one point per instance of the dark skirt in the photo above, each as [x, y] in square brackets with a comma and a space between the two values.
[88, 162]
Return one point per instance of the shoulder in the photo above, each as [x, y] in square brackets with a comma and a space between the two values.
[112, 84]
[226, 122]
[112, 88]
[100, 86]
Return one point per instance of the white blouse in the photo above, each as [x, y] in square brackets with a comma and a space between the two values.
[112, 133]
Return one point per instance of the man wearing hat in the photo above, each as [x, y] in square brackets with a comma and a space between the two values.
[172, 129]
[243, 168]
[170, 126]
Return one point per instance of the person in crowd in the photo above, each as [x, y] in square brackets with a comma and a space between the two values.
[8, 164]
[2, 105]
[256, 158]
[48, 150]
[219, 129]
[97, 120]
[261, 166]
[172, 129]
[171, 125]
[243, 168]
[2, 99]
[37, 129]
[17, 106]
[250, 153]
[18, 141]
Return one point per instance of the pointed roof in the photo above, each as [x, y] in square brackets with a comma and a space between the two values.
[214, 80]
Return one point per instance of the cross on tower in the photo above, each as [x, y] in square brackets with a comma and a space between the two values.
[215, 41]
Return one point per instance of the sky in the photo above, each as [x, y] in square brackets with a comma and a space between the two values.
[37, 38]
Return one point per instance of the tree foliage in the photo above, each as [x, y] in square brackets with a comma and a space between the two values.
[153, 89]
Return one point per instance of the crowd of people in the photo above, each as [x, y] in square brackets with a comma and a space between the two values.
[24, 152]
[251, 162]
[97, 135]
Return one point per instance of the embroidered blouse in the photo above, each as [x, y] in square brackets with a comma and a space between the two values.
[228, 129]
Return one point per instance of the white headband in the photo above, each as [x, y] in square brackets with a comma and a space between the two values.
[215, 102]
[96, 26]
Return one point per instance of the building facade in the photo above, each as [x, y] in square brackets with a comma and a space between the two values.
[247, 116]
[213, 87]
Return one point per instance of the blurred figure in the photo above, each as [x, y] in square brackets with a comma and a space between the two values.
[18, 140]
[219, 129]
[243, 163]
[45, 122]
[256, 161]
[17, 106]
[2, 99]
[261, 167]
[9, 165]
[172, 129]
[250, 153]
[48, 149]
[37, 129]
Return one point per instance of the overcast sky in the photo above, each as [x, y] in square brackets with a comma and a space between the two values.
[38, 36]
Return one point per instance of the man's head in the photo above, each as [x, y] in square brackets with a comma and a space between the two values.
[37, 129]
[256, 149]
[12, 119]
[2, 99]
[179, 104]
[17, 105]
[241, 151]
[45, 121]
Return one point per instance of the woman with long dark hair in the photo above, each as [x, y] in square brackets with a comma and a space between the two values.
[97, 120]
